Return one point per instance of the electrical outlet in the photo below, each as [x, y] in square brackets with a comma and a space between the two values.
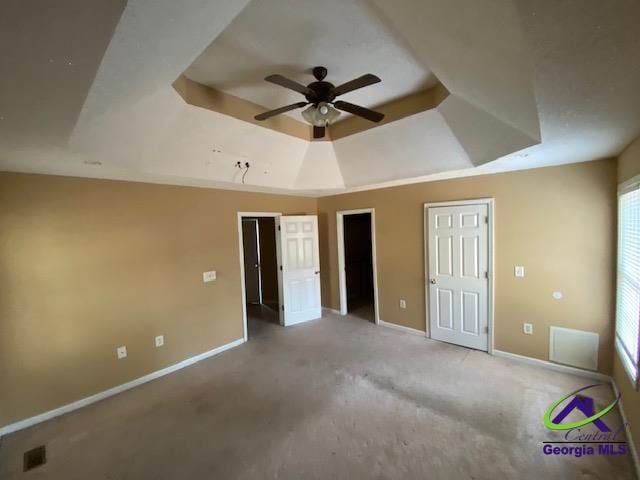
[527, 328]
[518, 271]
[403, 303]
[209, 276]
[159, 340]
[121, 352]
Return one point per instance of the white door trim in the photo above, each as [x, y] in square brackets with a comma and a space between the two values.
[241, 256]
[342, 283]
[490, 235]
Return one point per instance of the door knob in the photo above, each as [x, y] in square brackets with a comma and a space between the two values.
[433, 281]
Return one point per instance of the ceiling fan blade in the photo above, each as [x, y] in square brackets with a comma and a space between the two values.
[278, 111]
[358, 110]
[290, 84]
[318, 132]
[363, 81]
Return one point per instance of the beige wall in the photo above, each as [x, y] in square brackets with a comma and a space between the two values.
[87, 265]
[558, 222]
[629, 162]
[629, 167]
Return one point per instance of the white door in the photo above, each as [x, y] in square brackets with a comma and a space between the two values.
[299, 271]
[458, 274]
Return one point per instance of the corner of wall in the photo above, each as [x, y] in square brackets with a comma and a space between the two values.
[629, 161]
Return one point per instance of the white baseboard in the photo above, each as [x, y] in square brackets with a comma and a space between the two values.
[330, 311]
[402, 328]
[28, 422]
[627, 431]
[553, 366]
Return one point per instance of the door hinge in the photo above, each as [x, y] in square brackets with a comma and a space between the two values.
[279, 228]
[280, 267]
[486, 329]
[283, 307]
[486, 274]
[486, 219]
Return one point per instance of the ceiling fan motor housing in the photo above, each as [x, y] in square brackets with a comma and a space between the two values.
[322, 92]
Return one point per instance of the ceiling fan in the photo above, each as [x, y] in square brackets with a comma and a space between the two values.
[321, 95]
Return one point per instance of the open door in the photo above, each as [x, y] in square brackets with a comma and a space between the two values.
[299, 268]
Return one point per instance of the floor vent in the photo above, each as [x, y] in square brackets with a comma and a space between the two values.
[574, 347]
[35, 458]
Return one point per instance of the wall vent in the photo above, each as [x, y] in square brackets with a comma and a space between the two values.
[574, 347]
[35, 458]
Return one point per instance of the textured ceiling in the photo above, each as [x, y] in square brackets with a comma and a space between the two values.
[86, 87]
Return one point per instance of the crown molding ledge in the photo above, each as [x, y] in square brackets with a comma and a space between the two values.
[207, 97]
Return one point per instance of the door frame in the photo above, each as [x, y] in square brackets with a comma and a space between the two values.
[489, 202]
[241, 257]
[342, 281]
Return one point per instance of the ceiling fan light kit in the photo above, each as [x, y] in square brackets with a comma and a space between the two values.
[321, 96]
[321, 115]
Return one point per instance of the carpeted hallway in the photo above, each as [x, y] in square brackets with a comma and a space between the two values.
[337, 398]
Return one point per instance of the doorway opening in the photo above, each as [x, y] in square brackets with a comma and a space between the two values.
[260, 279]
[357, 265]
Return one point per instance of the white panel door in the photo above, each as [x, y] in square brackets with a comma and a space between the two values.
[299, 272]
[458, 274]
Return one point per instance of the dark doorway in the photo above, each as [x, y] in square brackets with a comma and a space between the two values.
[359, 265]
[251, 260]
[260, 272]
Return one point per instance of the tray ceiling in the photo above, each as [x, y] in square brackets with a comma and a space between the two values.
[290, 37]
[87, 88]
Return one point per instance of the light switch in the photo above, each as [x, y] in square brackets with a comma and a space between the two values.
[209, 276]
[121, 352]
[403, 303]
[518, 271]
[159, 340]
[527, 328]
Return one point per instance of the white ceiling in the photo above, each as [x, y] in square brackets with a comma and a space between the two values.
[86, 87]
[49, 54]
[290, 37]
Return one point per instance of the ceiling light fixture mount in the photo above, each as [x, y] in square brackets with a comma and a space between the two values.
[321, 95]
[243, 168]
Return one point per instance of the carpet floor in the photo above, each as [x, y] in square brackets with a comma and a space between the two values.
[336, 398]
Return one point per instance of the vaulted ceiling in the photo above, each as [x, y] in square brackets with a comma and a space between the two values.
[98, 88]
